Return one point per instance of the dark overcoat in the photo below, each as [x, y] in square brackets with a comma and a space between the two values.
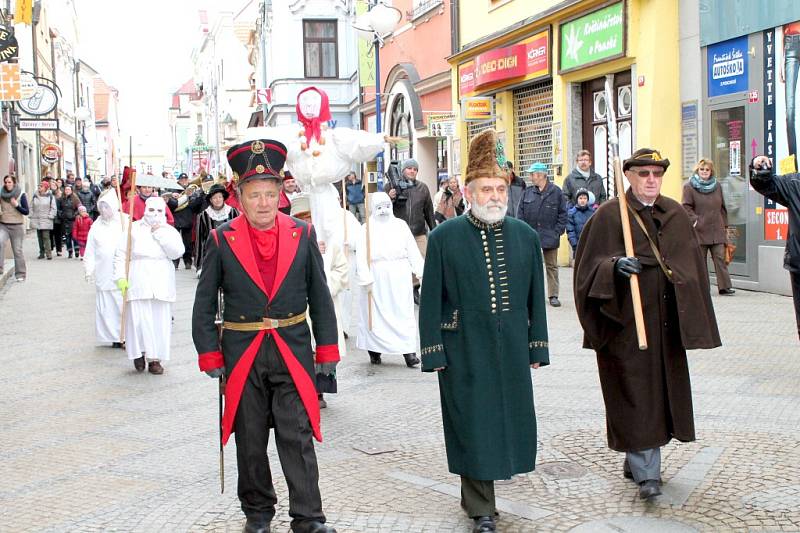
[230, 264]
[546, 212]
[647, 393]
[482, 318]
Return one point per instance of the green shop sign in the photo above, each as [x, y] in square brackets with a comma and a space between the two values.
[592, 38]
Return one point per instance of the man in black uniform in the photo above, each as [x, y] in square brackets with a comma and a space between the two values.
[270, 269]
[184, 207]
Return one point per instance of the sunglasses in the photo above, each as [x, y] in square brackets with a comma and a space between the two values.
[645, 173]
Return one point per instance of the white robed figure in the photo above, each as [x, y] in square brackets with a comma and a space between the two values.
[150, 285]
[98, 264]
[394, 256]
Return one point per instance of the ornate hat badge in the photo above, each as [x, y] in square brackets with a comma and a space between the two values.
[257, 147]
[260, 169]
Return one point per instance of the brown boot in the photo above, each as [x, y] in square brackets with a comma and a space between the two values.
[138, 363]
[154, 367]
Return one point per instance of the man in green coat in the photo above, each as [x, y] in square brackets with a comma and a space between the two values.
[482, 327]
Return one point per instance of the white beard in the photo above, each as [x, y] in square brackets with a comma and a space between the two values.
[487, 215]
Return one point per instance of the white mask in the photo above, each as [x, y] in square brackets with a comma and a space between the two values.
[310, 103]
[106, 211]
[155, 211]
[383, 209]
[381, 205]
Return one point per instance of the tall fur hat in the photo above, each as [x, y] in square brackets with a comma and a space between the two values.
[486, 158]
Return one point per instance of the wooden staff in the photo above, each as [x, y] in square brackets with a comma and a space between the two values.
[627, 238]
[369, 262]
[344, 212]
[128, 249]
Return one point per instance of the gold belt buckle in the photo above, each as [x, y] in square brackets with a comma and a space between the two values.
[271, 323]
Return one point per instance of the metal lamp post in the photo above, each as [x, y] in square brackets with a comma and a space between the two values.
[379, 20]
[82, 114]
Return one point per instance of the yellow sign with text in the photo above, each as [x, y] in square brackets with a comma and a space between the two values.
[478, 108]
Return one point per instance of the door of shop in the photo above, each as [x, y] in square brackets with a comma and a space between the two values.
[729, 126]
[595, 128]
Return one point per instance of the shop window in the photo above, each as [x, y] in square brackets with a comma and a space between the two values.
[533, 126]
[441, 154]
[401, 128]
[320, 48]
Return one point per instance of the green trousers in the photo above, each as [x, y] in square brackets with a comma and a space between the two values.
[477, 497]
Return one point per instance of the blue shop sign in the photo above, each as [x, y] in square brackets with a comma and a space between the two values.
[727, 67]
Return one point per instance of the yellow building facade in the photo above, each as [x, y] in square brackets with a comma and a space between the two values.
[534, 70]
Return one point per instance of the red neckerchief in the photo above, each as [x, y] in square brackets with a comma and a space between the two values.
[313, 125]
[265, 241]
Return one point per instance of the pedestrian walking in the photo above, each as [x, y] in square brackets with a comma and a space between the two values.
[98, 264]
[584, 177]
[784, 190]
[42, 213]
[544, 209]
[80, 229]
[516, 187]
[355, 196]
[85, 195]
[57, 235]
[266, 262]
[185, 206]
[483, 325]
[216, 214]
[703, 200]
[411, 202]
[449, 201]
[385, 259]
[68, 206]
[13, 208]
[578, 215]
[647, 393]
[149, 286]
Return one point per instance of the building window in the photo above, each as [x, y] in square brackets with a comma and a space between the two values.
[441, 155]
[320, 49]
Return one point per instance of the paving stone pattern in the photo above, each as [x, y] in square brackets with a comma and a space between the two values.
[91, 445]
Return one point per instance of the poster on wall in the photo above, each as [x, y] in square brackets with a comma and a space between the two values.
[781, 66]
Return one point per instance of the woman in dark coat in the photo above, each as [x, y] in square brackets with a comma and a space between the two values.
[703, 201]
[217, 213]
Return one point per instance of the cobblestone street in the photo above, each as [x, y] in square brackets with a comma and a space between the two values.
[91, 445]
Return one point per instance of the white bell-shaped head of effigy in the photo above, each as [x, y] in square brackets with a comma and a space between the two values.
[155, 211]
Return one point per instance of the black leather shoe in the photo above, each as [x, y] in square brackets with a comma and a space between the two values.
[138, 363]
[254, 525]
[311, 526]
[554, 301]
[727, 292]
[649, 488]
[483, 523]
[374, 358]
[626, 470]
[411, 359]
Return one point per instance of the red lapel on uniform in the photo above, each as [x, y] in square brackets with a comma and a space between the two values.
[288, 241]
[303, 383]
[235, 384]
[239, 241]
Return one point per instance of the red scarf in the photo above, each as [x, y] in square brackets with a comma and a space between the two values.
[313, 125]
[265, 241]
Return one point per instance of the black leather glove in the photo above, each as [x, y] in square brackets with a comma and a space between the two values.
[625, 266]
[761, 172]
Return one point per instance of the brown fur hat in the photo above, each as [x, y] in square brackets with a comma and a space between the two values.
[486, 158]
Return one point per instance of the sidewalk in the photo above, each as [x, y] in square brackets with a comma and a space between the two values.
[90, 445]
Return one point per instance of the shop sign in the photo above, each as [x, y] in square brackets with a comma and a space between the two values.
[8, 44]
[727, 67]
[477, 108]
[525, 60]
[592, 38]
[38, 124]
[51, 153]
[776, 224]
[776, 132]
[441, 124]
[42, 102]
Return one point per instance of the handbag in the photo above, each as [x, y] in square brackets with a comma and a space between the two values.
[730, 249]
[731, 235]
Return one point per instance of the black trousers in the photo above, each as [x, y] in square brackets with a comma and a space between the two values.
[795, 277]
[188, 247]
[270, 398]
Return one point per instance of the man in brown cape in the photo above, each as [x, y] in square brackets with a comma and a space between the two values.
[647, 393]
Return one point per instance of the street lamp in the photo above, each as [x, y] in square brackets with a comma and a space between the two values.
[82, 114]
[371, 26]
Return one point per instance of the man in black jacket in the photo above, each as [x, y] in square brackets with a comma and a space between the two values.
[583, 177]
[184, 207]
[543, 207]
[412, 202]
[784, 190]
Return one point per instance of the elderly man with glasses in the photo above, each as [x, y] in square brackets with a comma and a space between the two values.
[647, 393]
